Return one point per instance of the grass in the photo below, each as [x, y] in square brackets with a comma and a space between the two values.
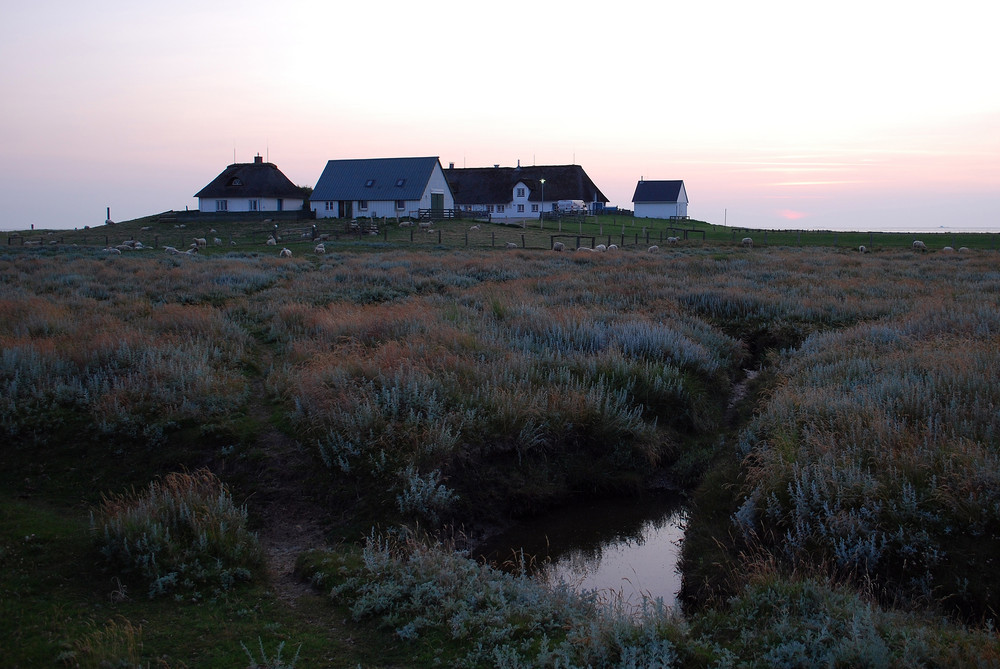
[422, 385]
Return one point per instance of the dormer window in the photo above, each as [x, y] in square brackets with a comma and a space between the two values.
[369, 183]
[400, 183]
[235, 181]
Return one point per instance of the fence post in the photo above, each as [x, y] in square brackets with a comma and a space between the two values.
[466, 238]
[522, 240]
[493, 239]
[439, 236]
[385, 231]
[411, 233]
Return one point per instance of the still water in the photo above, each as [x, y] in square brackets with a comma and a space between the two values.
[625, 548]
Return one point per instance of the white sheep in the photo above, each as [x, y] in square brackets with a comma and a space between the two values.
[271, 241]
[285, 253]
[653, 249]
[747, 242]
[862, 249]
[193, 251]
[601, 247]
[474, 227]
[585, 248]
[963, 249]
[511, 245]
[201, 241]
[558, 246]
[320, 249]
[171, 250]
[405, 224]
[424, 224]
[612, 247]
[948, 249]
[673, 240]
[919, 245]
[113, 251]
[216, 241]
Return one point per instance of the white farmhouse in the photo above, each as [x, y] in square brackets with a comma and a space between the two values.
[251, 187]
[518, 193]
[660, 199]
[382, 187]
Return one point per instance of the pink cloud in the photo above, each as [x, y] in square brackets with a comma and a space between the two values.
[791, 214]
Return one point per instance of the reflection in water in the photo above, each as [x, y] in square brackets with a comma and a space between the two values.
[627, 547]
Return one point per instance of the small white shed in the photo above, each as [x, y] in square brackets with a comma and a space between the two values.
[660, 199]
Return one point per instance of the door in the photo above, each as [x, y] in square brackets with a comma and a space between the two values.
[437, 205]
[344, 209]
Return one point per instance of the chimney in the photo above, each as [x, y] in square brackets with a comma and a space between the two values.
[258, 160]
[451, 166]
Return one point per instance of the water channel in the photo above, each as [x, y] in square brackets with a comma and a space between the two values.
[623, 548]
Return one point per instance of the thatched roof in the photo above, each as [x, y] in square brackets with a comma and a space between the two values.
[495, 185]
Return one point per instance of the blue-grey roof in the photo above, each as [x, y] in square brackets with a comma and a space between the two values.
[374, 179]
[659, 191]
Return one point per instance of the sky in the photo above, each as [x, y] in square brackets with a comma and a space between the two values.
[875, 115]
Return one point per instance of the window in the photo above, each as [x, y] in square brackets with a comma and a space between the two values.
[534, 208]
[363, 205]
[400, 183]
[252, 205]
[235, 181]
[520, 192]
[400, 204]
[520, 208]
[222, 205]
[489, 208]
[369, 183]
[499, 208]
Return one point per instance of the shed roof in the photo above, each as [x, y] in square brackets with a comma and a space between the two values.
[375, 179]
[659, 191]
[256, 179]
[495, 185]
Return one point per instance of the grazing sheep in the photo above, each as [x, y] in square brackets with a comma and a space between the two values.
[601, 247]
[919, 245]
[558, 246]
[585, 248]
[320, 249]
[216, 241]
[201, 241]
[511, 245]
[285, 253]
[948, 249]
[271, 241]
[474, 227]
[963, 249]
[747, 242]
[612, 247]
[145, 228]
[193, 251]
[862, 249]
[171, 250]
[673, 240]
[406, 224]
[653, 249]
[424, 224]
[113, 251]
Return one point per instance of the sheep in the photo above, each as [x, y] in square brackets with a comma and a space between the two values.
[963, 249]
[919, 245]
[511, 245]
[193, 251]
[406, 224]
[747, 242]
[320, 249]
[948, 249]
[673, 240]
[862, 249]
[113, 251]
[285, 253]
[171, 250]
[145, 228]
[558, 246]
[474, 227]
[201, 241]
[653, 249]
[601, 247]
[271, 241]
[216, 241]
[424, 224]
[612, 247]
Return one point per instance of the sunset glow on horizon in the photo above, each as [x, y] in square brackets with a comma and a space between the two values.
[872, 116]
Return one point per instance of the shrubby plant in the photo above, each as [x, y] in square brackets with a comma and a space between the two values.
[183, 535]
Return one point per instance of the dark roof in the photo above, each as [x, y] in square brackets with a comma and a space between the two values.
[375, 179]
[495, 185]
[658, 191]
[256, 179]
